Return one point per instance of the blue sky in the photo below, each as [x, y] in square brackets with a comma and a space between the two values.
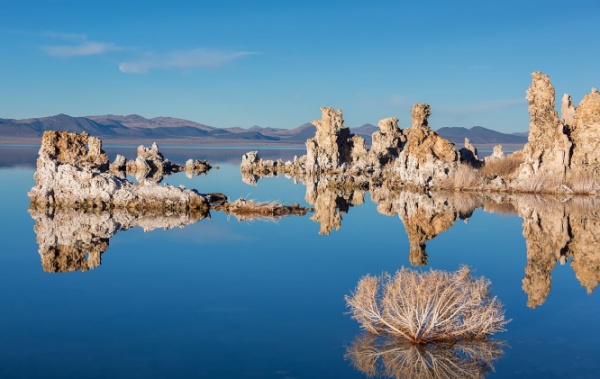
[274, 63]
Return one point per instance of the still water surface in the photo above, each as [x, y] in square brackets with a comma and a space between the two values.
[219, 298]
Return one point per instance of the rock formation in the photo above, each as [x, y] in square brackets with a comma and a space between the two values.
[427, 157]
[562, 155]
[585, 134]
[333, 144]
[547, 152]
[387, 143]
[73, 171]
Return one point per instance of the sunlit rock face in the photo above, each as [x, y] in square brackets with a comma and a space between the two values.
[73, 171]
[333, 144]
[74, 239]
[427, 157]
[547, 151]
[565, 150]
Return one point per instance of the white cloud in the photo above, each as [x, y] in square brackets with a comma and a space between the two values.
[80, 45]
[84, 49]
[195, 58]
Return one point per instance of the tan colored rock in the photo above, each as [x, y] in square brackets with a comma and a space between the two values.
[427, 157]
[567, 110]
[585, 161]
[333, 143]
[547, 152]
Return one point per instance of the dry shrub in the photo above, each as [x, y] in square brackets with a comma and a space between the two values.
[583, 182]
[464, 177]
[434, 306]
[247, 210]
[538, 183]
[376, 356]
[502, 167]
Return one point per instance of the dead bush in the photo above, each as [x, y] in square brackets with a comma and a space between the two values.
[538, 183]
[464, 177]
[583, 182]
[247, 210]
[502, 167]
[434, 306]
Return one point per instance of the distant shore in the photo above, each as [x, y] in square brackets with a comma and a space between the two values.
[210, 142]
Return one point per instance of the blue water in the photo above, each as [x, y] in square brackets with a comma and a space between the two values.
[262, 299]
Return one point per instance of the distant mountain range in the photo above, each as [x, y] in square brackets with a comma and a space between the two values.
[135, 127]
[480, 135]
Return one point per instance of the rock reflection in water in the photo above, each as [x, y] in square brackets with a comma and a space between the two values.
[556, 229]
[72, 240]
[394, 358]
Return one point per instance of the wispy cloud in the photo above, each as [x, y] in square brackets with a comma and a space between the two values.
[84, 49]
[195, 58]
[80, 46]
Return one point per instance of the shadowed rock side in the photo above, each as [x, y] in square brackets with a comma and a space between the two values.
[74, 239]
[562, 155]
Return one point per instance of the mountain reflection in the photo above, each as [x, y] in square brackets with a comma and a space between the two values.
[394, 358]
[74, 240]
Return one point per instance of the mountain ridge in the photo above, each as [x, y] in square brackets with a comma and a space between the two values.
[138, 127]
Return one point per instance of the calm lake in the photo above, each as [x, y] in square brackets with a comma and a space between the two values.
[98, 295]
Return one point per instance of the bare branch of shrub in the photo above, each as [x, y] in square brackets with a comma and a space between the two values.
[427, 307]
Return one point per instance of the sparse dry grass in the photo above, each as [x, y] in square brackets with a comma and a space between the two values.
[433, 306]
[465, 177]
[539, 183]
[502, 167]
[376, 356]
[583, 183]
[247, 210]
